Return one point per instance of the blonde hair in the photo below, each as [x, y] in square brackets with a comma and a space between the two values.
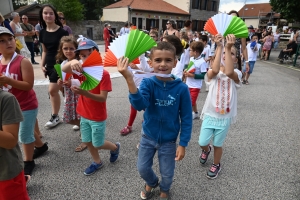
[61, 13]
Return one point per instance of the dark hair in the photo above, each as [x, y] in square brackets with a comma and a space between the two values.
[187, 23]
[197, 46]
[154, 32]
[65, 39]
[235, 12]
[164, 46]
[175, 41]
[42, 22]
[126, 24]
[254, 35]
[173, 23]
[204, 38]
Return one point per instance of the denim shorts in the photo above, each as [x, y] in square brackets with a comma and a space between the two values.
[215, 133]
[26, 130]
[92, 131]
[251, 67]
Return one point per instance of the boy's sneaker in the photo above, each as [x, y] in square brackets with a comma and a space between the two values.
[213, 171]
[92, 168]
[115, 154]
[204, 155]
[38, 151]
[54, 120]
[195, 115]
[76, 128]
[28, 167]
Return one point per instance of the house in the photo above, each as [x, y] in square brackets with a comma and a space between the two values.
[259, 15]
[6, 7]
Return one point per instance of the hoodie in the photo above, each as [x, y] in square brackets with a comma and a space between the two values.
[168, 110]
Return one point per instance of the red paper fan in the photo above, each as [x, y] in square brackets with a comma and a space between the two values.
[110, 59]
[133, 27]
[93, 60]
[136, 61]
[67, 76]
[210, 27]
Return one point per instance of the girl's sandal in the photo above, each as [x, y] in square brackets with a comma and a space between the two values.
[148, 194]
[126, 130]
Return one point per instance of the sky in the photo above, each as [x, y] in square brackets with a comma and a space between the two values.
[228, 5]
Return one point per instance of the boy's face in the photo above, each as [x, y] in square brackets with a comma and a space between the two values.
[7, 44]
[84, 54]
[192, 53]
[204, 42]
[254, 38]
[162, 61]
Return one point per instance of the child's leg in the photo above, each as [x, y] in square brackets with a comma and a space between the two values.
[194, 92]
[218, 151]
[107, 145]
[219, 138]
[94, 152]
[251, 67]
[166, 158]
[132, 116]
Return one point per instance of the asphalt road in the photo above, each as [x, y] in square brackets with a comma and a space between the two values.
[260, 160]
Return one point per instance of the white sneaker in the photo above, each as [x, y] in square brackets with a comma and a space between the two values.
[206, 89]
[195, 115]
[54, 120]
[75, 128]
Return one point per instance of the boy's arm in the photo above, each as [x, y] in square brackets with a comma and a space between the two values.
[123, 69]
[72, 65]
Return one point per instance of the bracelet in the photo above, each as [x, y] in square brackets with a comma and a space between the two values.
[246, 61]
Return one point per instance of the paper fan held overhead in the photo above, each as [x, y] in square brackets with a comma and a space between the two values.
[226, 24]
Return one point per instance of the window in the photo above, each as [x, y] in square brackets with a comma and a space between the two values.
[204, 4]
[196, 4]
[140, 23]
[133, 21]
[198, 25]
[180, 24]
[214, 6]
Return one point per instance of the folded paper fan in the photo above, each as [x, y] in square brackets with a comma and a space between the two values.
[109, 59]
[118, 46]
[226, 24]
[191, 67]
[57, 68]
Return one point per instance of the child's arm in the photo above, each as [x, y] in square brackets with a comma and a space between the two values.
[96, 97]
[27, 76]
[229, 66]
[218, 54]
[123, 69]
[72, 65]
[9, 136]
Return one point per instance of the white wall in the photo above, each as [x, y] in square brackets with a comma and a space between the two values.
[115, 14]
[6, 7]
[182, 4]
[253, 22]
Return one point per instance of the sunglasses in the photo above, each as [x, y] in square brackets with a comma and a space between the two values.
[61, 18]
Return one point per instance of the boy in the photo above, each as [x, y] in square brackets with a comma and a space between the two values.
[167, 106]
[252, 49]
[12, 181]
[206, 54]
[194, 80]
[92, 109]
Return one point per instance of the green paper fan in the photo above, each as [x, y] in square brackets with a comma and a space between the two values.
[57, 68]
[237, 27]
[90, 82]
[189, 66]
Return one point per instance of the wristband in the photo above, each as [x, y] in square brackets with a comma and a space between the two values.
[246, 61]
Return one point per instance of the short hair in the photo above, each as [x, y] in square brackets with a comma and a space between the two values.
[13, 14]
[204, 38]
[126, 24]
[254, 35]
[175, 41]
[197, 46]
[187, 23]
[235, 12]
[154, 32]
[163, 46]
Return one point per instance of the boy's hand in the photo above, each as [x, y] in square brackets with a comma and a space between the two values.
[187, 74]
[80, 91]
[76, 65]
[218, 40]
[4, 80]
[180, 153]
[123, 67]
[230, 40]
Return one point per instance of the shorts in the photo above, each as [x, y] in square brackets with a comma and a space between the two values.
[52, 74]
[216, 133]
[26, 130]
[92, 131]
[194, 92]
[14, 189]
[251, 67]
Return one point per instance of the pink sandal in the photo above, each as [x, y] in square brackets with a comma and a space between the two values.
[126, 130]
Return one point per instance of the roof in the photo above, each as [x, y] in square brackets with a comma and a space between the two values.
[256, 10]
[23, 9]
[148, 5]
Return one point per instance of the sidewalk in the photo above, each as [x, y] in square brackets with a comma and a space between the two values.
[273, 60]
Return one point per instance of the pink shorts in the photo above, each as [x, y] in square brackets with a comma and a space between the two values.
[14, 189]
[194, 92]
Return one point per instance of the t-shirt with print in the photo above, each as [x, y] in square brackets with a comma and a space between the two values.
[51, 41]
[200, 66]
[94, 110]
[206, 53]
[11, 159]
[252, 55]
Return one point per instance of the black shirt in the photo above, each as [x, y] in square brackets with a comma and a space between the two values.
[293, 46]
[51, 41]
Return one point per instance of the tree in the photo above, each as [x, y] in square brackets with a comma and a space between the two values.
[94, 8]
[17, 4]
[72, 9]
[288, 9]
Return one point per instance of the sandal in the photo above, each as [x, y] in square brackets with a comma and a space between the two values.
[126, 130]
[81, 148]
[247, 83]
[148, 194]
[164, 198]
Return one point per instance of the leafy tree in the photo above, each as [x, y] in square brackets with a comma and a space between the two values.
[94, 8]
[288, 10]
[17, 4]
[72, 9]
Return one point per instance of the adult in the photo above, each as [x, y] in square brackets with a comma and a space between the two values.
[187, 26]
[37, 29]
[62, 19]
[190, 36]
[171, 29]
[290, 49]
[276, 38]
[268, 40]
[112, 35]
[297, 37]
[29, 30]
[125, 30]
[50, 37]
[240, 45]
[4, 23]
[106, 36]
[19, 34]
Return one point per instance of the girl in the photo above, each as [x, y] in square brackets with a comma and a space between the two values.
[50, 37]
[268, 40]
[66, 52]
[220, 108]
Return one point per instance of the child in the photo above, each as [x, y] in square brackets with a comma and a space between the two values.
[167, 106]
[206, 54]
[194, 80]
[92, 109]
[66, 52]
[18, 78]
[220, 108]
[12, 181]
[252, 48]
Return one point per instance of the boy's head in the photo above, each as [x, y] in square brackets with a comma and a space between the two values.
[154, 35]
[163, 58]
[86, 47]
[204, 39]
[196, 49]
[254, 37]
[175, 41]
[7, 41]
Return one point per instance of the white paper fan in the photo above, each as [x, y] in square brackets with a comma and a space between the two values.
[95, 71]
[118, 46]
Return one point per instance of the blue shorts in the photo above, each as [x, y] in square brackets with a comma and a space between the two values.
[216, 133]
[251, 67]
[92, 131]
[26, 130]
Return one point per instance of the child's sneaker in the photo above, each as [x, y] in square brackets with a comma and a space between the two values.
[213, 171]
[195, 115]
[92, 168]
[204, 155]
[114, 154]
[38, 151]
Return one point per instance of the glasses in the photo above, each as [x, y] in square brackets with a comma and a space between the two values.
[61, 18]
[68, 49]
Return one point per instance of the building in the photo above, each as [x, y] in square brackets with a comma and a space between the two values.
[6, 7]
[259, 15]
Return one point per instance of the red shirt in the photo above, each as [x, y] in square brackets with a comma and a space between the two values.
[106, 34]
[26, 99]
[94, 110]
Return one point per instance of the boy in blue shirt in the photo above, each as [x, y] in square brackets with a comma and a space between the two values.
[168, 113]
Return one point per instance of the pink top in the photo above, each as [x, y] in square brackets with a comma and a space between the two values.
[26, 99]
